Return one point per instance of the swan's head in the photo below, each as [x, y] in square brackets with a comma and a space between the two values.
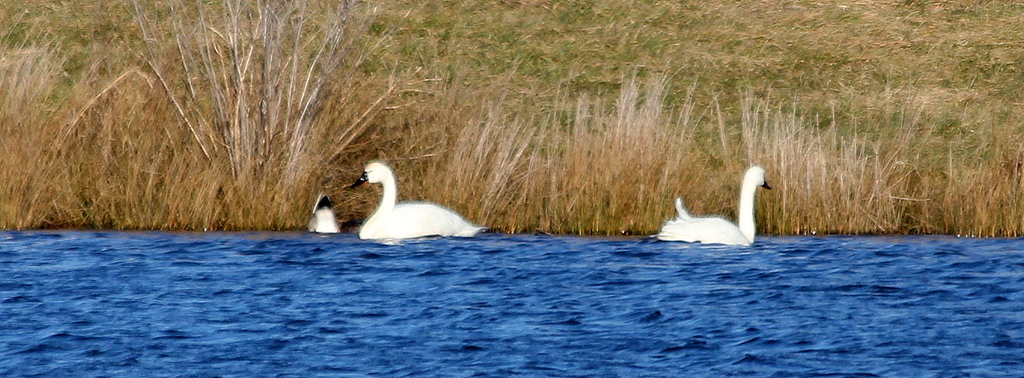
[375, 172]
[755, 174]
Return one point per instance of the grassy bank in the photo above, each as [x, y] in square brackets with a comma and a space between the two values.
[559, 116]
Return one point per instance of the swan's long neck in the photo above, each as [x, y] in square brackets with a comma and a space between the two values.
[387, 202]
[746, 210]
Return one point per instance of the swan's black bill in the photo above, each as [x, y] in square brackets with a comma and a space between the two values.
[765, 185]
[359, 181]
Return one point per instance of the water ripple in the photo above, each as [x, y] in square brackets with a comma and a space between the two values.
[81, 303]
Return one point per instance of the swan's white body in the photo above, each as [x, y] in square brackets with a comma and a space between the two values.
[406, 220]
[716, 230]
[323, 220]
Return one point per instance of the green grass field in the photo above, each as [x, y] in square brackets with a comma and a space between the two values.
[574, 117]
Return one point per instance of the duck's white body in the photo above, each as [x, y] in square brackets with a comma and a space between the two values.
[716, 230]
[406, 220]
[323, 220]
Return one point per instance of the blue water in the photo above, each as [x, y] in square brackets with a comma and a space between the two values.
[91, 304]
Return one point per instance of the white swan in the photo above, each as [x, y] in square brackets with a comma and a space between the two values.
[717, 230]
[407, 219]
[323, 220]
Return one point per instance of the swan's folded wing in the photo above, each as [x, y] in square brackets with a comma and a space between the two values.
[415, 219]
[677, 230]
[711, 230]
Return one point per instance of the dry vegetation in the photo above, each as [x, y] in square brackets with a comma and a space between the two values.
[581, 117]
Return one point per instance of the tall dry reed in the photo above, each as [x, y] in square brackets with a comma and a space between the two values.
[28, 77]
[248, 79]
[595, 169]
[582, 169]
[248, 82]
[827, 182]
[219, 129]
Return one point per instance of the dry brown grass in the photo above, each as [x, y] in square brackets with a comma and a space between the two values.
[614, 170]
[27, 76]
[215, 128]
[558, 116]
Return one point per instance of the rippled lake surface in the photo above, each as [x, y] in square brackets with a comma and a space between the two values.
[90, 304]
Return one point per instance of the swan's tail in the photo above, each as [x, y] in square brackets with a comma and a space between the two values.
[322, 202]
[323, 219]
[683, 214]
